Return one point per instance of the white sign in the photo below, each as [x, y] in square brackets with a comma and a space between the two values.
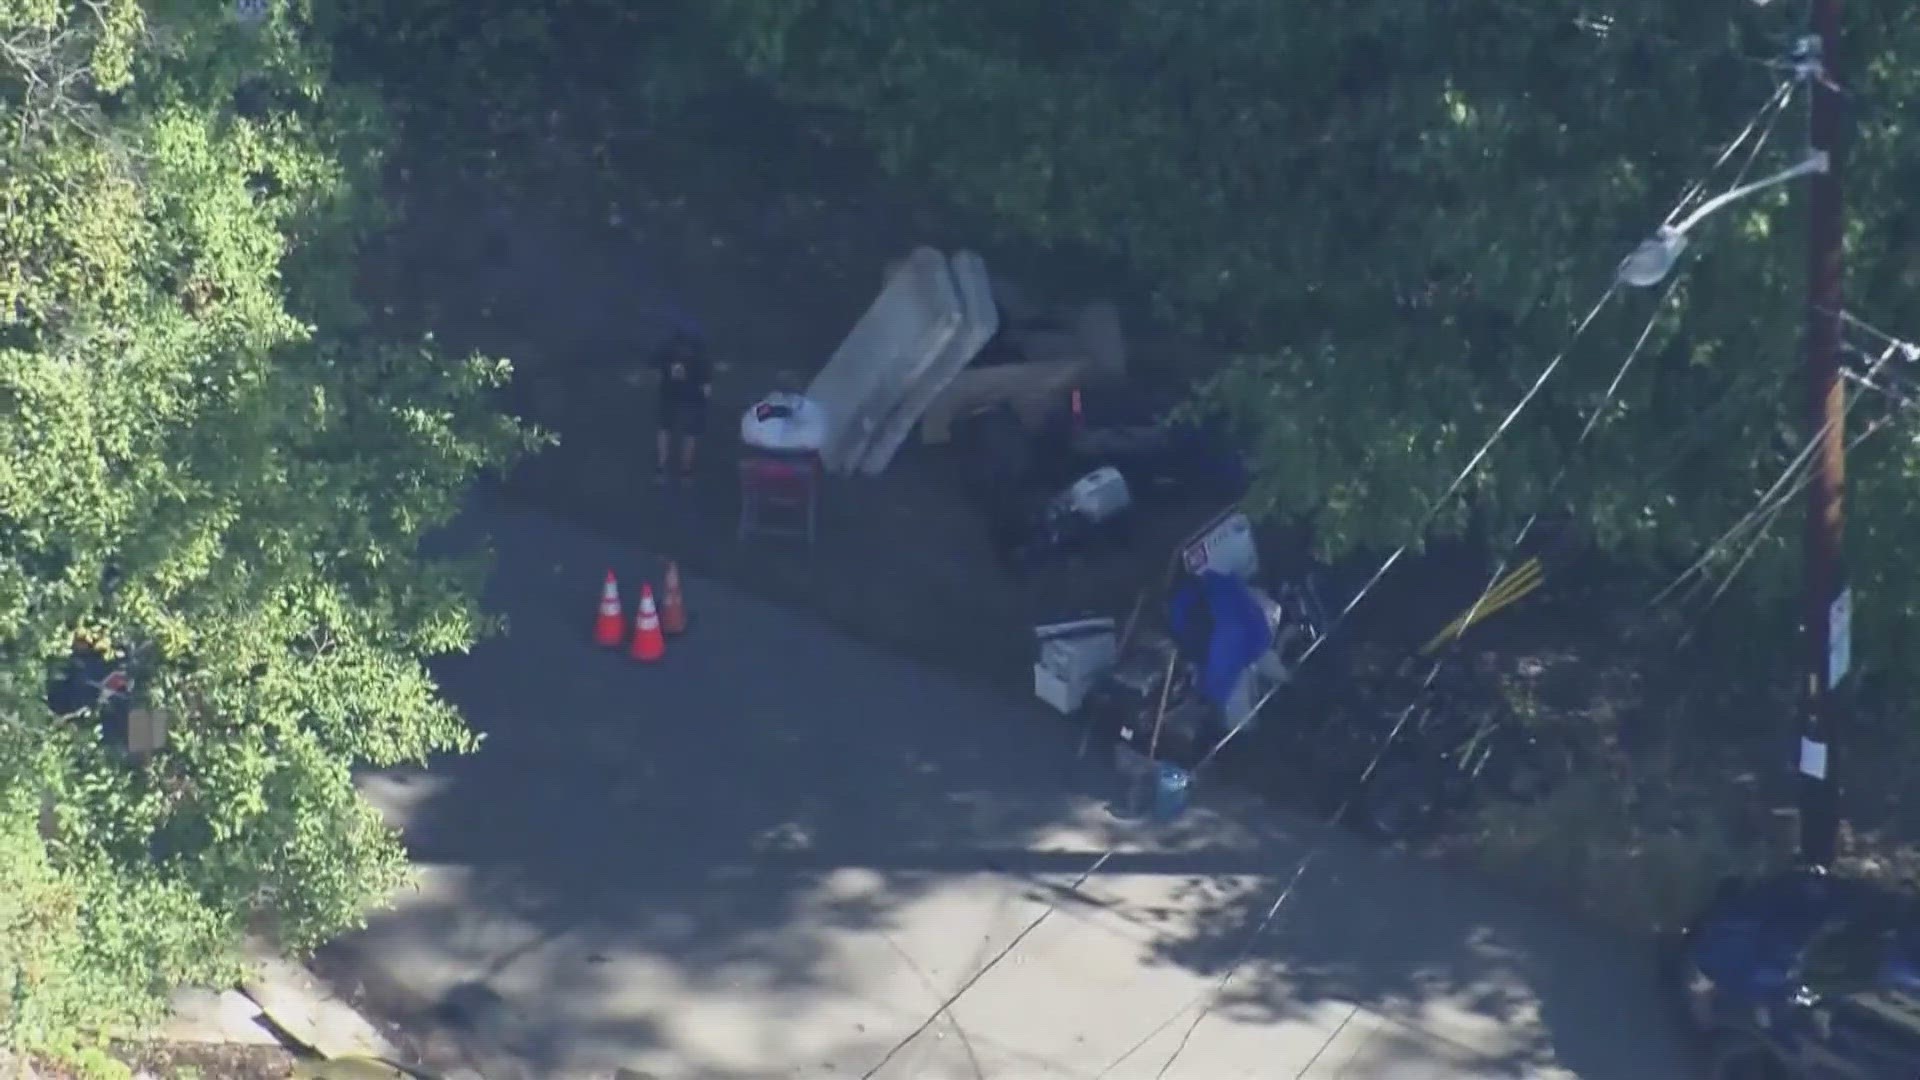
[1228, 548]
[1813, 759]
[1839, 638]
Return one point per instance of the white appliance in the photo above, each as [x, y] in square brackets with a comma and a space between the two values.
[1072, 656]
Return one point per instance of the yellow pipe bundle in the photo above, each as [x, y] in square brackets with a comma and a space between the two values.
[1508, 590]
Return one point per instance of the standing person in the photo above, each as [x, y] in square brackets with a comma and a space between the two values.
[686, 386]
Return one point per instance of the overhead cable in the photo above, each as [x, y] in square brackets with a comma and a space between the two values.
[1434, 669]
[1439, 505]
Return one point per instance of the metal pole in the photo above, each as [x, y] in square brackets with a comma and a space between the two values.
[1828, 604]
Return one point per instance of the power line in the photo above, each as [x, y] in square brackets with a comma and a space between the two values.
[1770, 112]
[1894, 348]
[1761, 520]
[1904, 402]
[1433, 512]
[1433, 672]
[1776, 103]
[1769, 115]
[1907, 348]
[1700, 421]
[1768, 500]
[1773, 102]
[1438, 506]
[1764, 527]
[1333, 1037]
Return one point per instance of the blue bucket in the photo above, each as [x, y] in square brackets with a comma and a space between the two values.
[1170, 792]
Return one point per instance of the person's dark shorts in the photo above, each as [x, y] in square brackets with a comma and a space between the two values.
[681, 416]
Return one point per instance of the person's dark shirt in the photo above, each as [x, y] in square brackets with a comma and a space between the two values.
[686, 377]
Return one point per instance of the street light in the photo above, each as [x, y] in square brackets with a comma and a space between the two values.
[1654, 259]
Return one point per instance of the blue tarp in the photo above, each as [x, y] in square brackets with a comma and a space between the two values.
[1237, 636]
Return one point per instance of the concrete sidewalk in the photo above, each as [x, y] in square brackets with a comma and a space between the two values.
[775, 854]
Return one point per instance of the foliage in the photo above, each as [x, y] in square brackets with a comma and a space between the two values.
[1627, 850]
[212, 467]
[493, 84]
[1396, 216]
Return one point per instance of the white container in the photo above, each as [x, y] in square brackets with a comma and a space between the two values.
[1054, 688]
[979, 321]
[1080, 648]
[1275, 613]
[1251, 690]
[1100, 495]
[1065, 690]
[1227, 548]
[908, 325]
[1082, 657]
[1072, 656]
[783, 422]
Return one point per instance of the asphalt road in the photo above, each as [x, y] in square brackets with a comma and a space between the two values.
[776, 854]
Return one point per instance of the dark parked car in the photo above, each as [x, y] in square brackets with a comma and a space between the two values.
[1802, 976]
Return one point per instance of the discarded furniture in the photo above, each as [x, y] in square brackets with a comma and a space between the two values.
[1072, 655]
[1046, 366]
[932, 316]
[979, 322]
[779, 496]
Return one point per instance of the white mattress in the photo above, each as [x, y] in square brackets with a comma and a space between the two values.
[903, 333]
[979, 321]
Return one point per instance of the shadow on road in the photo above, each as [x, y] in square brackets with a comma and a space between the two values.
[779, 851]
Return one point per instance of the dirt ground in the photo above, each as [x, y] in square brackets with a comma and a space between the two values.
[772, 248]
[771, 237]
[773, 252]
[772, 241]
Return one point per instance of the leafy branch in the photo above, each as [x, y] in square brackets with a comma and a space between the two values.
[57, 68]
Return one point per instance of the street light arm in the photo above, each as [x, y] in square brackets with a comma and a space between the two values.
[1651, 262]
[1817, 162]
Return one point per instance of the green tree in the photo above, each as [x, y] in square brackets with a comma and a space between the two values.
[213, 466]
[494, 90]
[1395, 213]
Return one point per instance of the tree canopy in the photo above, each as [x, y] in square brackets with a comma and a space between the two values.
[1397, 213]
[214, 475]
[1393, 217]
[216, 467]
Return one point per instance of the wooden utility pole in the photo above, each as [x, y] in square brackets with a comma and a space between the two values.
[1829, 604]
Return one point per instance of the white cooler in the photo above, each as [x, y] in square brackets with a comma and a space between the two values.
[784, 423]
[1072, 656]
[1100, 495]
[1228, 548]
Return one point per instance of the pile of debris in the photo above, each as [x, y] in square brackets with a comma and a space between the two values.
[944, 339]
[1056, 446]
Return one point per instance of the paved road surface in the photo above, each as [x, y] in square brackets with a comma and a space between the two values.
[775, 854]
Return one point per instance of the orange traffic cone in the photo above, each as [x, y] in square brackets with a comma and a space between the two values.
[608, 628]
[649, 644]
[673, 605]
